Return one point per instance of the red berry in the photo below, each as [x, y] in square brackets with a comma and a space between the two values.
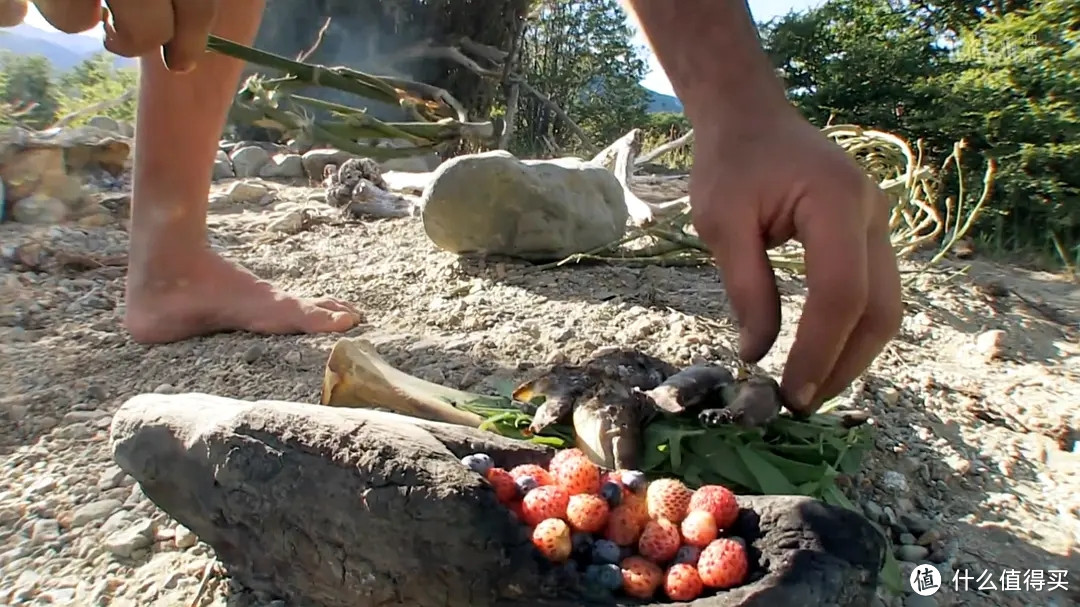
[623, 526]
[505, 489]
[587, 512]
[668, 498]
[564, 456]
[641, 577]
[723, 564]
[719, 501]
[659, 541]
[682, 583]
[552, 537]
[577, 475]
[541, 476]
[544, 502]
[699, 528]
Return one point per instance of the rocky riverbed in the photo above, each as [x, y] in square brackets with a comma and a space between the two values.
[976, 469]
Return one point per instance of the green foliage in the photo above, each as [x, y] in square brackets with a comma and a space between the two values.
[662, 127]
[98, 80]
[579, 53]
[1003, 76]
[27, 92]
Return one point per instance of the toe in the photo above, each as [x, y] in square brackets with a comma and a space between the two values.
[324, 320]
[337, 305]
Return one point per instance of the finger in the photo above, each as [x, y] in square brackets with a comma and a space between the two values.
[739, 249]
[192, 20]
[834, 238]
[884, 310]
[12, 12]
[138, 27]
[70, 16]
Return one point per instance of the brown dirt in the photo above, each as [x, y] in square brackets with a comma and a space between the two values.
[982, 431]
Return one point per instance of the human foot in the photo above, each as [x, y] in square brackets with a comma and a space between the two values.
[210, 295]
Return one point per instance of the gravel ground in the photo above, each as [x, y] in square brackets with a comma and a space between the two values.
[976, 465]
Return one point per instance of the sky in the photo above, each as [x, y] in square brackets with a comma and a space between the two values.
[656, 80]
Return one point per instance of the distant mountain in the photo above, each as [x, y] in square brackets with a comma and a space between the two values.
[659, 102]
[64, 51]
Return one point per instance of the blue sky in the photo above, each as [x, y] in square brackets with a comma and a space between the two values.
[656, 79]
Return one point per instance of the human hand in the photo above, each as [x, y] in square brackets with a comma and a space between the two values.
[135, 27]
[762, 180]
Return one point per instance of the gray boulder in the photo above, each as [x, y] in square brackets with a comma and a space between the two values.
[356, 507]
[532, 209]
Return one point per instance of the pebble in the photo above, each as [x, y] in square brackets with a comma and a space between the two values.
[136, 536]
[44, 531]
[95, 511]
[254, 352]
[912, 553]
[894, 482]
[184, 537]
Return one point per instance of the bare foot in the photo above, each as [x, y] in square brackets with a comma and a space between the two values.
[210, 295]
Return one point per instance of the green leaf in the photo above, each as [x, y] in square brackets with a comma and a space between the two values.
[768, 479]
[721, 459]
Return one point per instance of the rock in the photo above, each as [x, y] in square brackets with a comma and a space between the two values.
[249, 191]
[894, 482]
[915, 600]
[105, 123]
[315, 161]
[344, 507]
[135, 536]
[533, 209]
[283, 166]
[44, 531]
[247, 161]
[184, 538]
[223, 168]
[94, 511]
[911, 553]
[39, 209]
[991, 344]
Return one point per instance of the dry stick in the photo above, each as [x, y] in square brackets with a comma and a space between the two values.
[304, 56]
[664, 149]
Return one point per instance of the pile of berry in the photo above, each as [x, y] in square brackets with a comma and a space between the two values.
[621, 532]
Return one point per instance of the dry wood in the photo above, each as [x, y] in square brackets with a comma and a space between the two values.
[664, 149]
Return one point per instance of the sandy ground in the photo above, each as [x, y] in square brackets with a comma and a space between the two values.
[976, 455]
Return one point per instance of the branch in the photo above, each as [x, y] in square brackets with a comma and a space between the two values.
[93, 109]
[664, 149]
[304, 56]
[624, 149]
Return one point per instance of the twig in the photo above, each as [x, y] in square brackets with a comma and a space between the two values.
[204, 583]
[304, 56]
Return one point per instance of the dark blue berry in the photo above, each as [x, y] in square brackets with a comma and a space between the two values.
[606, 551]
[611, 492]
[688, 555]
[480, 463]
[634, 480]
[582, 543]
[609, 576]
[525, 484]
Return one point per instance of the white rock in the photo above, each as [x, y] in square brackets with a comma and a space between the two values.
[44, 531]
[40, 210]
[94, 511]
[283, 166]
[184, 537]
[249, 191]
[135, 537]
[249, 160]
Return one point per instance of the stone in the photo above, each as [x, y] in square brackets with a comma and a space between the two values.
[250, 191]
[283, 166]
[247, 161]
[94, 511]
[315, 161]
[223, 168]
[39, 209]
[184, 538]
[911, 553]
[991, 344]
[343, 507]
[532, 209]
[135, 536]
[105, 123]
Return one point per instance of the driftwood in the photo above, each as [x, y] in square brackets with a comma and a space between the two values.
[619, 156]
[660, 150]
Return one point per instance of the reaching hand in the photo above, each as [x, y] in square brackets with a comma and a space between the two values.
[761, 181]
[132, 27]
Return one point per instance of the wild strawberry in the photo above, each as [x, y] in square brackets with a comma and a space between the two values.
[623, 526]
[682, 583]
[552, 537]
[638, 506]
[587, 512]
[641, 577]
[505, 489]
[659, 541]
[541, 476]
[723, 564]
[564, 456]
[668, 498]
[577, 475]
[699, 528]
[719, 501]
[544, 502]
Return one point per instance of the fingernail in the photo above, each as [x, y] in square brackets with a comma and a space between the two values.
[805, 396]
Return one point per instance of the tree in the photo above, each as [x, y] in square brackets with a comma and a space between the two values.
[26, 84]
[97, 81]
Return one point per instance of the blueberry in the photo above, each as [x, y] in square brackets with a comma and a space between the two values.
[688, 555]
[738, 539]
[609, 576]
[606, 551]
[634, 480]
[480, 463]
[526, 484]
[582, 543]
[611, 492]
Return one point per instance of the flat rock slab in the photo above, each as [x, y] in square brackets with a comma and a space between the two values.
[353, 507]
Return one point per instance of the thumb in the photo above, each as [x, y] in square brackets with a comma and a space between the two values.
[12, 12]
[738, 247]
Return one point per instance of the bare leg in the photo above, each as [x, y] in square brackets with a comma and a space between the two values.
[177, 287]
